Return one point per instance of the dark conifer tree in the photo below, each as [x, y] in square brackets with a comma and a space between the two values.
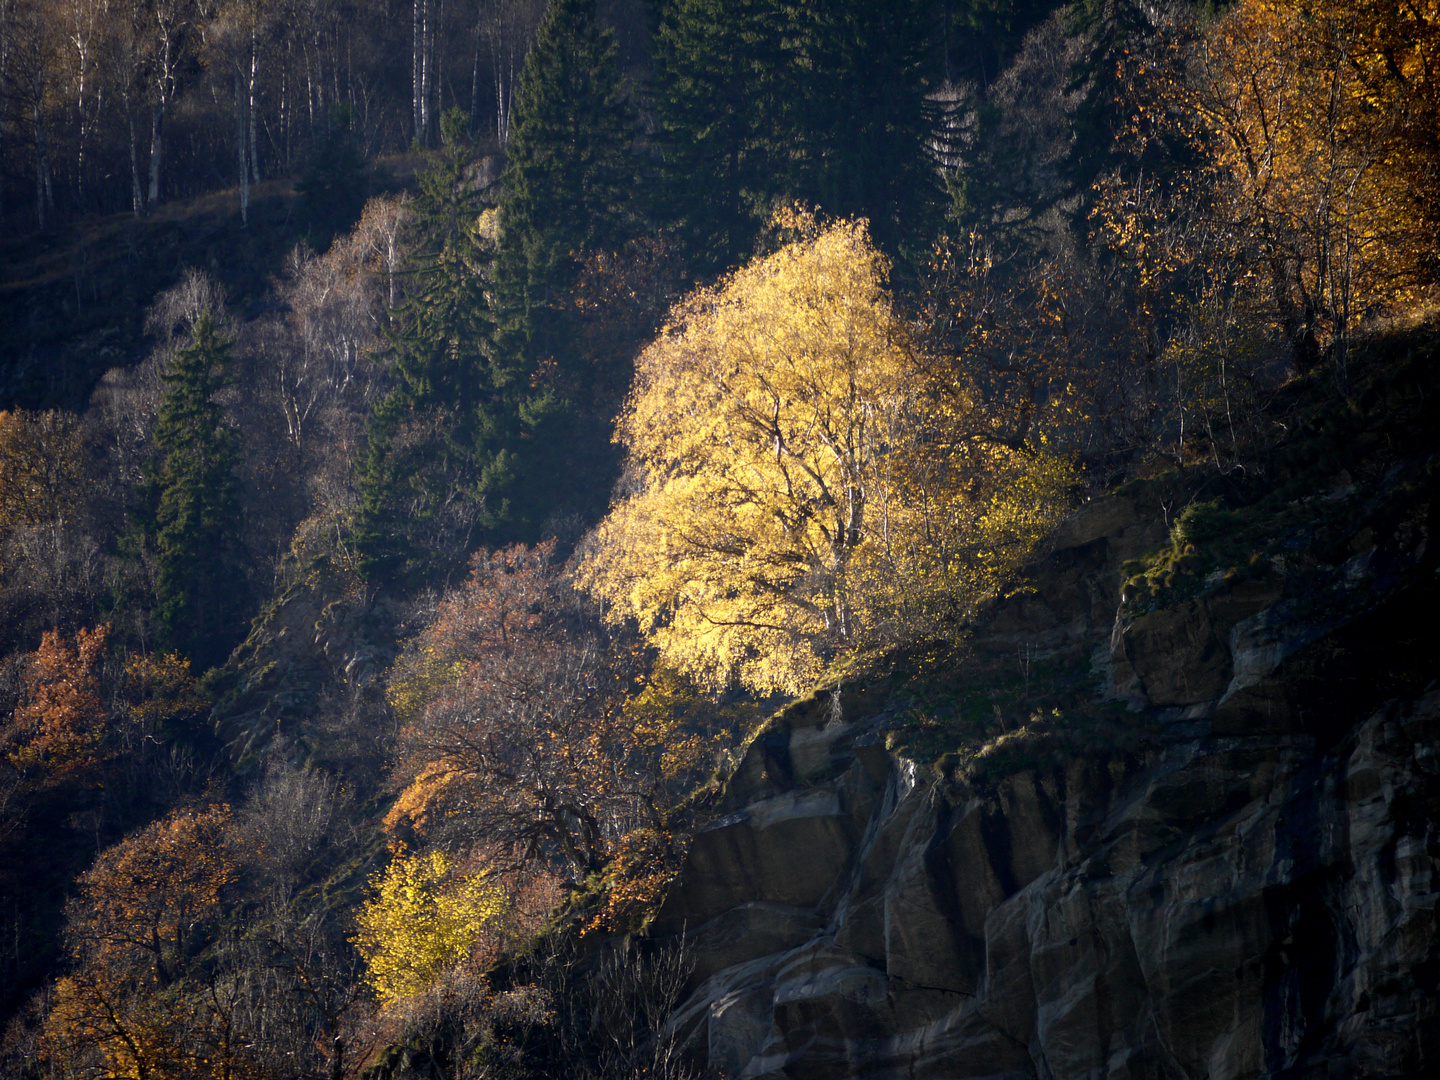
[569, 184]
[824, 101]
[191, 512]
[1120, 32]
[719, 84]
[443, 444]
[331, 195]
[861, 122]
[979, 37]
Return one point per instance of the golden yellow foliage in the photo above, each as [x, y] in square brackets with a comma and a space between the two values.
[1321, 121]
[423, 920]
[789, 500]
[683, 730]
[418, 678]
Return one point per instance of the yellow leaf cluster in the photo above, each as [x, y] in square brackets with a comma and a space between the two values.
[1322, 119]
[786, 492]
[422, 921]
[419, 677]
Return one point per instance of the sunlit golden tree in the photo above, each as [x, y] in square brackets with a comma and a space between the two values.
[423, 919]
[794, 492]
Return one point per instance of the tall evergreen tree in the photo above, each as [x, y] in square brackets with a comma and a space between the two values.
[1121, 33]
[718, 88]
[862, 123]
[569, 183]
[443, 444]
[978, 38]
[825, 101]
[191, 513]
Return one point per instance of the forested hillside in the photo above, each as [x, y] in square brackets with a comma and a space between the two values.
[439, 438]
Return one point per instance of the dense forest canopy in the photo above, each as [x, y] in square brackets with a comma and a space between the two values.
[607, 372]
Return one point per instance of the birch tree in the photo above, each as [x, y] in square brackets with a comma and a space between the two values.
[790, 501]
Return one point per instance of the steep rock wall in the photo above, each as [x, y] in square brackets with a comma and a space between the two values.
[1248, 891]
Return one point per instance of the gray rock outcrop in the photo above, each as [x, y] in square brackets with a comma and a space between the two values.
[1249, 891]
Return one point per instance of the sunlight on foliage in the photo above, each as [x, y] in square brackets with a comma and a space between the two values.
[419, 677]
[794, 499]
[422, 921]
[159, 689]
[146, 910]
[60, 727]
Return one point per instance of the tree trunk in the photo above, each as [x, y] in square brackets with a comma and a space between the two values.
[254, 78]
[416, 66]
[285, 112]
[81, 135]
[436, 19]
[240, 141]
[44, 198]
[475, 73]
[426, 70]
[137, 200]
[503, 58]
[157, 150]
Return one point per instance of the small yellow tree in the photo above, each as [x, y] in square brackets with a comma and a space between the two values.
[423, 920]
[795, 492]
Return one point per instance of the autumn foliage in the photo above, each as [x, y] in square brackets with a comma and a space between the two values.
[60, 729]
[796, 492]
[1321, 122]
[423, 919]
[838, 453]
[134, 1003]
[518, 723]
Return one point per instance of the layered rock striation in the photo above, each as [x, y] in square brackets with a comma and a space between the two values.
[1246, 888]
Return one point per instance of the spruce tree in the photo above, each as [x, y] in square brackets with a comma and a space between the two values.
[569, 183]
[1125, 49]
[443, 444]
[860, 122]
[718, 89]
[191, 511]
[822, 101]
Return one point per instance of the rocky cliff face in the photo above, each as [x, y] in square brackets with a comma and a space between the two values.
[1245, 888]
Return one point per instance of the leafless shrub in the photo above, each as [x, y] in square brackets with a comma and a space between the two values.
[289, 816]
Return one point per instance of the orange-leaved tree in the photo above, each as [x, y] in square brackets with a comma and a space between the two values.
[137, 1001]
[1322, 125]
[59, 730]
[514, 721]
